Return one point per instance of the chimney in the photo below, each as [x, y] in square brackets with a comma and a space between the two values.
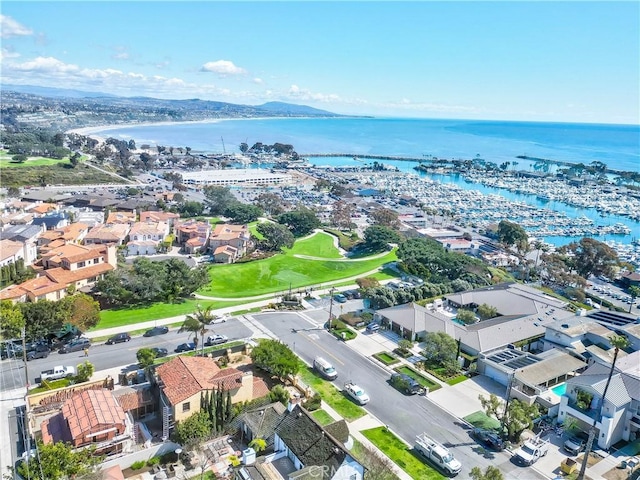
[293, 401]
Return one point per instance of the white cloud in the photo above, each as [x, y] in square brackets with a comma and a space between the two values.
[223, 67]
[8, 53]
[49, 70]
[258, 81]
[297, 93]
[10, 28]
[120, 56]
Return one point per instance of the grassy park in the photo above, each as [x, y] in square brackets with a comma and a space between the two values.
[128, 316]
[282, 271]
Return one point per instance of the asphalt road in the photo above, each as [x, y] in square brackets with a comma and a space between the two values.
[105, 357]
[407, 416]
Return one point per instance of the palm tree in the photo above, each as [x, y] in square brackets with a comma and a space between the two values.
[635, 293]
[196, 323]
[617, 342]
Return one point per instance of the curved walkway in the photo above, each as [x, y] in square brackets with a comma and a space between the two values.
[324, 259]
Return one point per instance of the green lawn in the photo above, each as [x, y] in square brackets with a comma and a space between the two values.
[280, 272]
[322, 417]
[421, 379]
[319, 245]
[386, 358]
[5, 162]
[330, 394]
[481, 420]
[400, 454]
[456, 380]
[253, 228]
[128, 316]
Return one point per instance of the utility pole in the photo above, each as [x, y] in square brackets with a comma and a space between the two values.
[331, 306]
[24, 358]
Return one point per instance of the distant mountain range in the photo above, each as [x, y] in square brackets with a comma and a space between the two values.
[270, 108]
[53, 92]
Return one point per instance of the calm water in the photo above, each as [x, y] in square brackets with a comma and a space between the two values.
[618, 146]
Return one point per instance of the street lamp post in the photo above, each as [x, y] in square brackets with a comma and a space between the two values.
[331, 306]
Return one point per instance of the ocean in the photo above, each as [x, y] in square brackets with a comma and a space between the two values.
[618, 146]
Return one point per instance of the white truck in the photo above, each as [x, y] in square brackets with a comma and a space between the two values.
[57, 373]
[437, 454]
[531, 451]
[357, 393]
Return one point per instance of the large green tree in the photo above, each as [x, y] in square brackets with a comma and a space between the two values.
[146, 357]
[271, 203]
[439, 348]
[218, 199]
[518, 417]
[59, 461]
[490, 473]
[276, 358]
[276, 236]
[11, 320]
[301, 222]
[193, 430]
[242, 213]
[427, 259]
[385, 217]
[593, 257]
[378, 237]
[512, 234]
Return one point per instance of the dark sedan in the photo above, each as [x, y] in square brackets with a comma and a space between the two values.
[76, 345]
[156, 331]
[185, 347]
[41, 351]
[488, 438]
[160, 352]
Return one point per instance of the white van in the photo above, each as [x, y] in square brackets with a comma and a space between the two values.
[324, 368]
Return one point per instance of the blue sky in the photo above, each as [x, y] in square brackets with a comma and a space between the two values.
[539, 61]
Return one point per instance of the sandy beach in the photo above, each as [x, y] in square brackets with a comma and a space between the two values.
[92, 131]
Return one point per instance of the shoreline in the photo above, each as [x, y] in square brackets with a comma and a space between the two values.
[98, 132]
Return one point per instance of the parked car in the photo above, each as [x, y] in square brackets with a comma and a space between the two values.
[576, 443]
[373, 327]
[405, 383]
[340, 298]
[41, 351]
[75, 345]
[185, 347]
[488, 438]
[215, 340]
[156, 331]
[218, 319]
[119, 338]
[160, 352]
[10, 350]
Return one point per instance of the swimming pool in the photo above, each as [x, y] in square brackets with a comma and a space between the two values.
[560, 389]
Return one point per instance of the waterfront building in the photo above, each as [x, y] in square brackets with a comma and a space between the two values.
[238, 177]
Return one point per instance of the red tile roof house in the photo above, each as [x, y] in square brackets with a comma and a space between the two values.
[236, 236]
[68, 265]
[91, 418]
[144, 237]
[107, 234]
[193, 235]
[151, 216]
[183, 380]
